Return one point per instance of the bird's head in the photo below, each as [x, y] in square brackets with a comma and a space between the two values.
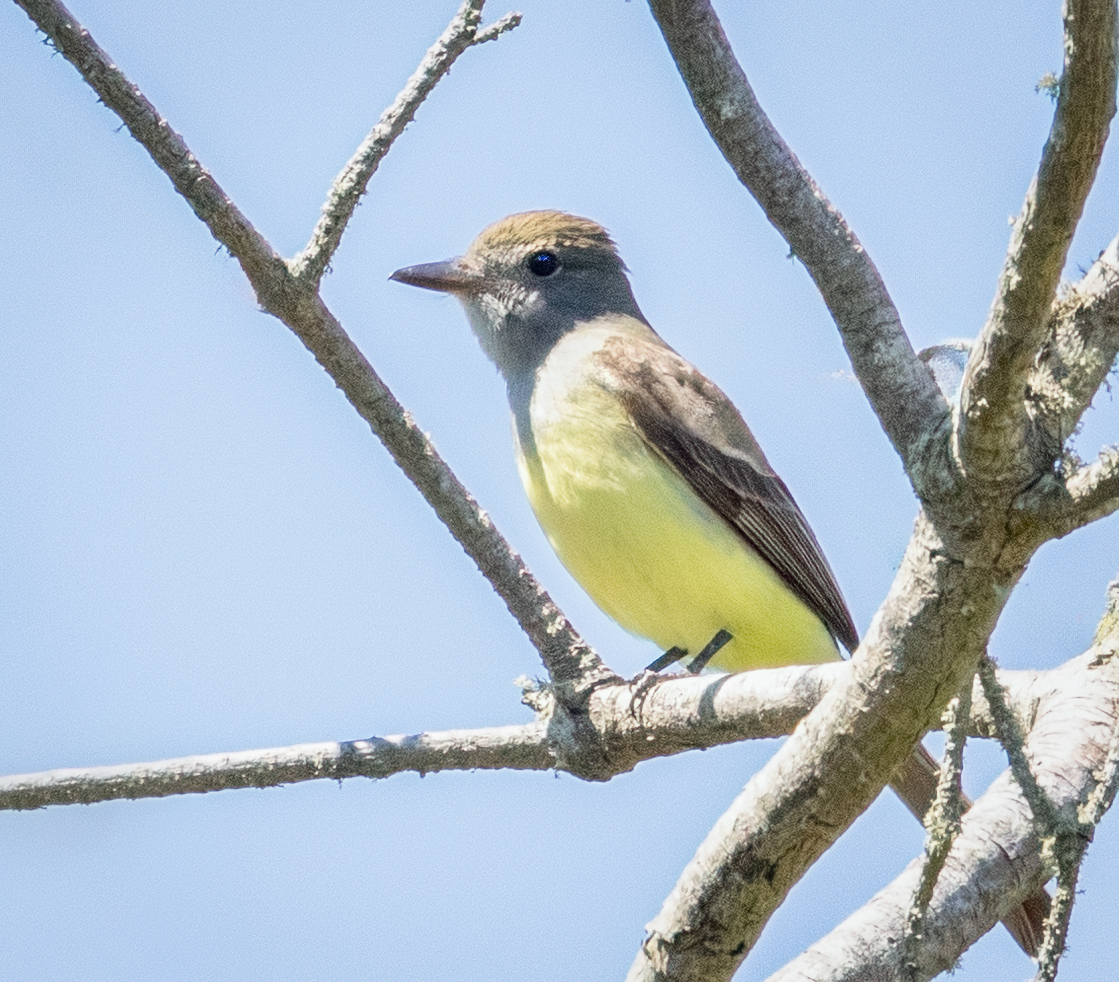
[529, 279]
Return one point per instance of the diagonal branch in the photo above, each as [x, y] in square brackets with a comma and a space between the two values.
[996, 861]
[1082, 341]
[572, 664]
[993, 865]
[899, 387]
[348, 187]
[1072, 749]
[921, 648]
[995, 439]
[1090, 493]
[518, 747]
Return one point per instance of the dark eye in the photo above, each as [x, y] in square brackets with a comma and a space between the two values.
[543, 263]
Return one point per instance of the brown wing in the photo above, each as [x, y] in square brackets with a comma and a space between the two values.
[696, 428]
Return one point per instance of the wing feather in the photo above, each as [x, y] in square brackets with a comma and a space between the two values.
[691, 423]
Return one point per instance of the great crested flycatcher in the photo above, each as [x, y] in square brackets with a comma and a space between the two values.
[642, 474]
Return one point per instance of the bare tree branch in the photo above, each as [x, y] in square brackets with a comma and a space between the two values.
[900, 388]
[968, 554]
[994, 864]
[995, 443]
[1083, 339]
[348, 187]
[517, 747]
[942, 823]
[1090, 493]
[628, 724]
[572, 664]
[996, 860]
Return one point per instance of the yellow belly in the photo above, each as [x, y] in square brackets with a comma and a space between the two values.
[649, 552]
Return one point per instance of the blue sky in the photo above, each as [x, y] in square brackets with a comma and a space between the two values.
[204, 548]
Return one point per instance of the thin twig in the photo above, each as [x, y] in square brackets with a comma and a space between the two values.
[944, 819]
[348, 187]
[1075, 837]
[1061, 843]
[1013, 742]
[519, 747]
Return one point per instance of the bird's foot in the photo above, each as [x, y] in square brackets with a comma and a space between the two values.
[642, 686]
[643, 683]
[650, 675]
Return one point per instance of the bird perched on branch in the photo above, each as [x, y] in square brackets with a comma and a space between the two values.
[642, 474]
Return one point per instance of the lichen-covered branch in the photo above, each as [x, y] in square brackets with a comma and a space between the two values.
[943, 821]
[1082, 341]
[970, 546]
[1091, 492]
[995, 442]
[900, 388]
[996, 861]
[994, 864]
